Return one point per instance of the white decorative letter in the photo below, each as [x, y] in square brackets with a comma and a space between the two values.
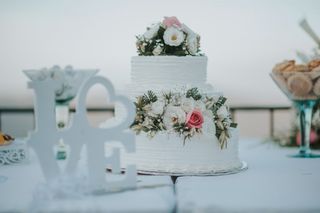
[80, 133]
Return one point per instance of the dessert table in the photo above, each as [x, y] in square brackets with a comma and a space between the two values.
[273, 183]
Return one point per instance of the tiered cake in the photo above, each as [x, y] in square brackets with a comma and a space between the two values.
[183, 126]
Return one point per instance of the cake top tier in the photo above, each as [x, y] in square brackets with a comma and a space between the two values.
[169, 71]
[169, 37]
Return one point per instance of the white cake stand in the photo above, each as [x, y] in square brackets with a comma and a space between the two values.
[243, 167]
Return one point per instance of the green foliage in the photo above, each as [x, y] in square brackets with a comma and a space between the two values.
[218, 104]
[181, 129]
[194, 93]
[168, 97]
[149, 98]
[233, 125]
[172, 50]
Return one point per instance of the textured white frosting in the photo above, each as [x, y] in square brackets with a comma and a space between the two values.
[161, 73]
[169, 69]
[167, 153]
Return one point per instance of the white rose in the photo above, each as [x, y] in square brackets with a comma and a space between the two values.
[152, 32]
[157, 50]
[173, 37]
[192, 40]
[173, 115]
[222, 112]
[157, 107]
[187, 104]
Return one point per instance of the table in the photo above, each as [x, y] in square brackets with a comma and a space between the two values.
[153, 194]
[273, 183]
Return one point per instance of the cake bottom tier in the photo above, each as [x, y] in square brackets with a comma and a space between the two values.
[168, 154]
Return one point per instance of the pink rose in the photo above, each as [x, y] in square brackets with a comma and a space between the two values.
[194, 119]
[171, 21]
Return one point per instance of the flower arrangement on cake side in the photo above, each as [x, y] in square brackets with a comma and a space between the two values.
[186, 114]
[169, 37]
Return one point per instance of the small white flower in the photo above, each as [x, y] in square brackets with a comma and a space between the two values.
[176, 99]
[226, 122]
[192, 39]
[173, 37]
[142, 46]
[147, 122]
[157, 107]
[157, 50]
[152, 32]
[187, 104]
[192, 44]
[151, 134]
[222, 112]
[173, 115]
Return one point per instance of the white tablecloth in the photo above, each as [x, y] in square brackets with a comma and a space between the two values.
[154, 194]
[273, 183]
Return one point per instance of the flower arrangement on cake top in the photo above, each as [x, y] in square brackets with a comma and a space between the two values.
[187, 114]
[169, 37]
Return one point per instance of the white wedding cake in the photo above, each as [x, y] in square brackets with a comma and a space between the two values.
[183, 126]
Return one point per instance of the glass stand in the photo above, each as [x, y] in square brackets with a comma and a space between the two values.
[305, 116]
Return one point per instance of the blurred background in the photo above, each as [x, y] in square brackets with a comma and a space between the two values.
[243, 40]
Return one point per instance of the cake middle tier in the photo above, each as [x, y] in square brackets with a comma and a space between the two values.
[169, 70]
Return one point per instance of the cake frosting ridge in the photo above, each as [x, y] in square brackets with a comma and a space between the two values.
[169, 69]
[168, 73]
